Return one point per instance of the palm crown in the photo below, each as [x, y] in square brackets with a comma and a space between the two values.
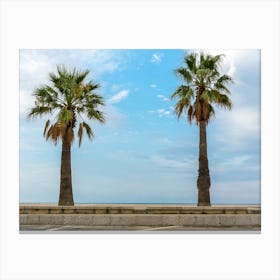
[71, 100]
[205, 86]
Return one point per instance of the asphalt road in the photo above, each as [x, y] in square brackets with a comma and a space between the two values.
[108, 229]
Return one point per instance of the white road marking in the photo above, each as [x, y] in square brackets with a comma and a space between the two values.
[59, 228]
[159, 228]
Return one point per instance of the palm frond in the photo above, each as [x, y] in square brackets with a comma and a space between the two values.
[205, 110]
[211, 62]
[80, 133]
[225, 79]
[183, 92]
[220, 84]
[185, 74]
[91, 86]
[81, 76]
[191, 62]
[69, 136]
[39, 111]
[89, 132]
[225, 102]
[222, 100]
[211, 111]
[65, 116]
[190, 114]
[96, 114]
[49, 132]
[46, 127]
[67, 96]
[53, 133]
[202, 75]
[184, 95]
[179, 107]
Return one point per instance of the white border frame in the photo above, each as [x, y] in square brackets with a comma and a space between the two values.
[140, 24]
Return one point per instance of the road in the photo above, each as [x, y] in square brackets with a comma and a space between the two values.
[110, 229]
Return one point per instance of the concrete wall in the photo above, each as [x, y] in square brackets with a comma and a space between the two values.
[193, 220]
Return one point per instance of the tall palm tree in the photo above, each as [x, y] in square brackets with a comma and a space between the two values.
[69, 99]
[204, 87]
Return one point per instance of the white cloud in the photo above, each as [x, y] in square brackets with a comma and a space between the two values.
[162, 97]
[163, 112]
[114, 118]
[235, 61]
[241, 126]
[242, 163]
[32, 174]
[26, 101]
[172, 163]
[164, 140]
[232, 69]
[229, 60]
[236, 192]
[35, 65]
[156, 58]
[115, 87]
[153, 86]
[238, 160]
[118, 97]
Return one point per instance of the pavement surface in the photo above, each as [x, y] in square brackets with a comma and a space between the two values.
[122, 229]
[139, 217]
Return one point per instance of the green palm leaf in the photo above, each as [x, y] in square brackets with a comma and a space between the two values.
[68, 97]
[202, 76]
[88, 130]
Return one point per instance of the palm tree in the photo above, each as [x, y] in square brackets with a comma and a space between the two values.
[69, 98]
[204, 86]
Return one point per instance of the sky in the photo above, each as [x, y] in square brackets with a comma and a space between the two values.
[144, 153]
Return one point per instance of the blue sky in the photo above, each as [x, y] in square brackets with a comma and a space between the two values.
[143, 154]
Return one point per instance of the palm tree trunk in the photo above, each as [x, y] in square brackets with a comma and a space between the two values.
[203, 181]
[66, 194]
